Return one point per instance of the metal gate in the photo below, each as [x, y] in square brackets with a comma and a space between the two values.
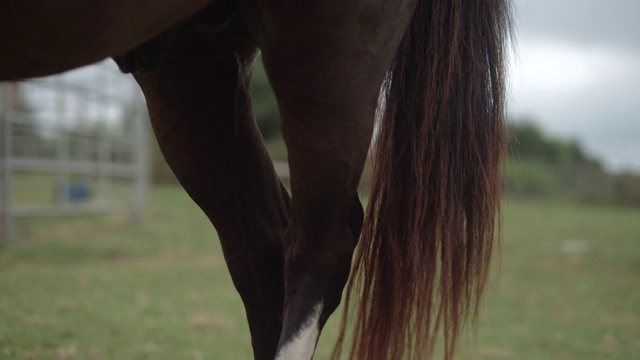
[72, 144]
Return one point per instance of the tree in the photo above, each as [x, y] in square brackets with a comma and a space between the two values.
[265, 106]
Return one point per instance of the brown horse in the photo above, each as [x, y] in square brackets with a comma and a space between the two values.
[430, 71]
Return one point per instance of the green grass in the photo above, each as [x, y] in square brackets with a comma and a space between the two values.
[568, 285]
[103, 288]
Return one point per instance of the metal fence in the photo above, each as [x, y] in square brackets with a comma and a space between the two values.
[72, 144]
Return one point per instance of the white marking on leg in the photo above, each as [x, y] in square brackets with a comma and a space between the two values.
[302, 345]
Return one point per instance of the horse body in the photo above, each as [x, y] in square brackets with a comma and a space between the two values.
[42, 37]
[425, 241]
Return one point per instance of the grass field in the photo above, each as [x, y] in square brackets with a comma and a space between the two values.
[102, 288]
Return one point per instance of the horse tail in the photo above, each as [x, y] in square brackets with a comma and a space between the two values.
[433, 212]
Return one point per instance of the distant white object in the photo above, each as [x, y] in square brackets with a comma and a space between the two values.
[575, 247]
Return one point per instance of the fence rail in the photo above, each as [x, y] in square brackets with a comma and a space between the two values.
[83, 135]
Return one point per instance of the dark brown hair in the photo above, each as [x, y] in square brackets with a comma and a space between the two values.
[432, 218]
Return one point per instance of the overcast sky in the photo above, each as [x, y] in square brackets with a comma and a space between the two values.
[576, 72]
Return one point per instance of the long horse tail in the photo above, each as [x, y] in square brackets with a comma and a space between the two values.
[433, 213]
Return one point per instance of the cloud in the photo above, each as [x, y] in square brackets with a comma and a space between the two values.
[610, 23]
[578, 80]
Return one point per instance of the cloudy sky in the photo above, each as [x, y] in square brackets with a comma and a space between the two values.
[576, 72]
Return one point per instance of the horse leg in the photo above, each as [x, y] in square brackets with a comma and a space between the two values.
[326, 61]
[200, 109]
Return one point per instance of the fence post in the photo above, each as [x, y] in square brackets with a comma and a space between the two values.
[6, 172]
[141, 186]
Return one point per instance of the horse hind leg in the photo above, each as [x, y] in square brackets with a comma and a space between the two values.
[326, 62]
[200, 109]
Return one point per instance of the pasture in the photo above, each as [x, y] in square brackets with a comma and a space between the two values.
[102, 288]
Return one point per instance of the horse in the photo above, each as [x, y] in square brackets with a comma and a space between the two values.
[425, 77]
